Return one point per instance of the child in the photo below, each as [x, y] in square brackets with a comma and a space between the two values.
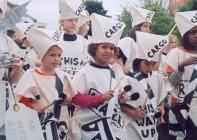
[182, 69]
[141, 21]
[140, 115]
[74, 46]
[97, 78]
[42, 86]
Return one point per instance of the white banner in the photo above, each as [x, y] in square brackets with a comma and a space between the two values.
[23, 125]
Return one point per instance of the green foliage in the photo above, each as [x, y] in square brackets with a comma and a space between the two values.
[94, 6]
[126, 18]
[163, 20]
[191, 5]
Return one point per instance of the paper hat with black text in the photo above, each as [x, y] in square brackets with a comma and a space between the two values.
[185, 21]
[43, 39]
[105, 29]
[69, 9]
[83, 18]
[150, 46]
[3, 7]
[140, 15]
[24, 28]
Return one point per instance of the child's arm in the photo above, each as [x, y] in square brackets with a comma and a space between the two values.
[26, 101]
[133, 112]
[31, 103]
[85, 100]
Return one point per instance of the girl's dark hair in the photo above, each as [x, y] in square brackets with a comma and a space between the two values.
[132, 31]
[186, 43]
[136, 64]
[92, 49]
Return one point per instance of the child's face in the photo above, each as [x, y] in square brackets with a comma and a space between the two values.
[52, 58]
[193, 36]
[145, 27]
[146, 67]
[69, 25]
[104, 53]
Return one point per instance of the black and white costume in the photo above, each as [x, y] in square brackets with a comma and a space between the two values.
[103, 122]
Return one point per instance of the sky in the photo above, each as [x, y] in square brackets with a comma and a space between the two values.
[47, 10]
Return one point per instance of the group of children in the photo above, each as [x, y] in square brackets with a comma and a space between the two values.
[108, 86]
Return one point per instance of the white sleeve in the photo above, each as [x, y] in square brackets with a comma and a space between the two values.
[172, 58]
[26, 86]
[80, 82]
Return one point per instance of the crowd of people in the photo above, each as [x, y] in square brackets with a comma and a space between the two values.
[100, 86]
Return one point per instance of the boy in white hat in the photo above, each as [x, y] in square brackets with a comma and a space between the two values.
[140, 115]
[97, 78]
[74, 46]
[10, 70]
[42, 86]
[141, 21]
[182, 69]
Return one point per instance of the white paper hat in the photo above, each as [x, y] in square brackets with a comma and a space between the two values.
[69, 9]
[24, 29]
[3, 7]
[140, 15]
[83, 18]
[43, 39]
[186, 21]
[149, 46]
[105, 30]
[128, 47]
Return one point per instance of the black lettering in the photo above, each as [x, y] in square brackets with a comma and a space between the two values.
[63, 127]
[114, 28]
[66, 60]
[181, 89]
[107, 34]
[148, 121]
[151, 108]
[164, 41]
[111, 31]
[152, 132]
[80, 9]
[140, 122]
[154, 51]
[145, 134]
[157, 47]
[194, 19]
[149, 55]
[103, 109]
[75, 61]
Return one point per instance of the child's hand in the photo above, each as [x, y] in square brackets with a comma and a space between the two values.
[161, 109]
[140, 113]
[38, 107]
[121, 98]
[68, 99]
[108, 95]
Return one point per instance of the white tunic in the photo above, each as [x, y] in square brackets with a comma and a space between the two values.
[74, 54]
[93, 80]
[145, 128]
[175, 57]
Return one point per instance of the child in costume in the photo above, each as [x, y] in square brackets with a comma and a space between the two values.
[141, 114]
[99, 78]
[182, 69]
